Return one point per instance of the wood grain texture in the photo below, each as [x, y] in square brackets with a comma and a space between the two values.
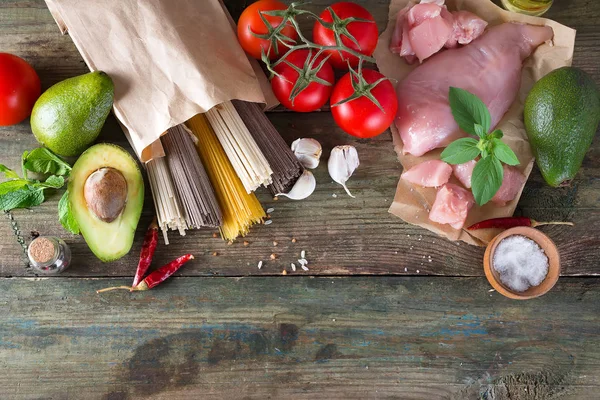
[260, 338]
[340, 235]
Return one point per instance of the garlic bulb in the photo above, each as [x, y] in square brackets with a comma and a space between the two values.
[304, 187]
[308, 151]
[342, 163]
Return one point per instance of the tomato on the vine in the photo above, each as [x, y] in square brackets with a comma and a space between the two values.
[307, 85]
[20, 87]
[365, 34]
[251, 24]
[360, 116]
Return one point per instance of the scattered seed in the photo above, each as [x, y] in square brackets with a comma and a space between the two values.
[430, 260]
[275, 198]
[270, 210]
[293, 267]
[268, 215]
[268, 222]
[304, 267]
[260, 264]
[294, 240]
[284, 272]
[275, 243]
[215, 254]
[303, 254]
[215, 235]
[229, 243]
[273, 256]
[246, 243]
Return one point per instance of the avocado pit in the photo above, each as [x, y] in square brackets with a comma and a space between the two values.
[105, 192]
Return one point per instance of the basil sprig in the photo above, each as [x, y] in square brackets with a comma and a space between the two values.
[473, 117]
[17, 192]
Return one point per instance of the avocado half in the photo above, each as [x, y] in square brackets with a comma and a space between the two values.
[106, 194]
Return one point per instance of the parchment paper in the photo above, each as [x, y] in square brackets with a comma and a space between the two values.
[412, 203]
[169, 60]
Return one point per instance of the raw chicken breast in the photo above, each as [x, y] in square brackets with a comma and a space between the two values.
[424, 29]
[451, 206]
[463, 172]
[467, 27]
[511, 184]
[431, 173]
[489, 67]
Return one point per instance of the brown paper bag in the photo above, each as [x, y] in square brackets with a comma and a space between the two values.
[411, 203]
[169, 60]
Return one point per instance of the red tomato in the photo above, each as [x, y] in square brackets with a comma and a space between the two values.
[315, 95]
[20, 87]
[361, 117]
[365, 33]
[250, 22]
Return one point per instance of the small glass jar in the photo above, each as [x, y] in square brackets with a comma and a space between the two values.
[528, 7]
[49, 255]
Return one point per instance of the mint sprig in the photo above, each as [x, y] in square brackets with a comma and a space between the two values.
[473, 117]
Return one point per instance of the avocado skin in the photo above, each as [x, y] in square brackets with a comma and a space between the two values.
[561, 116]
[68, 117]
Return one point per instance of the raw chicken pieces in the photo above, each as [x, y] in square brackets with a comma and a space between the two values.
[431, 173]
[463, 172]
[424, 29]
[511, 184]
[451, 206]
[489, 67]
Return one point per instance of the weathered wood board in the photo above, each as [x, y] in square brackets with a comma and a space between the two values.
[298, 337]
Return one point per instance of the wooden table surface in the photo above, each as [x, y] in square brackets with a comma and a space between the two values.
[387, 310]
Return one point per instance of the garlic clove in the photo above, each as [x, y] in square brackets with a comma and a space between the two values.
[304, 187]
[343, 160]
[308, 151]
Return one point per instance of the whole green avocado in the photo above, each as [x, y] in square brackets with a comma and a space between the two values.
[68, 117]
[561, 116]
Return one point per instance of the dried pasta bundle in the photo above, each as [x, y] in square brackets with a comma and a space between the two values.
[191, 181]
[245, 156]
[240, 208]
[286, 167]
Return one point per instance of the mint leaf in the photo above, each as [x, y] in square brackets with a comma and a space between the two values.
[486, 179]
[460, 151]
[65, 216]
[10, 186]
[8, 173]
[55, 182]
[28, 196]
[469, 110]
[43, 161]
[504, 153]
[497, 134]
[479, 131]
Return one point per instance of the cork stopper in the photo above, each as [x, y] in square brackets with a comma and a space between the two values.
[42, 250]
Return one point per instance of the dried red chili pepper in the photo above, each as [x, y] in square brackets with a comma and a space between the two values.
[147, 252]
[155, 277]
[511, 222]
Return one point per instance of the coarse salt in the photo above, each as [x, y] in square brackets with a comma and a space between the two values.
[303, 254]
[521, 263]
[268, 222]
[293, 267]
[270, 210]
[260, 263]
[304, 267]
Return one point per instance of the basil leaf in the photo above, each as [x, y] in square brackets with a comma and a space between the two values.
[10, 186]
[8, 173]
[497, 134]
[479, 131]
[65, 216]
[504, 153]
[461, 151]
[469, 110]
[486, 179]
[43, 161]
[28, 196]
[55, 182]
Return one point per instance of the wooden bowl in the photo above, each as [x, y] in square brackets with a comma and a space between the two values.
[544, 242]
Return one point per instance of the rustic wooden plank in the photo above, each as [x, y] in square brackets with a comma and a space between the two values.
[338, 338]
[341, 235]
